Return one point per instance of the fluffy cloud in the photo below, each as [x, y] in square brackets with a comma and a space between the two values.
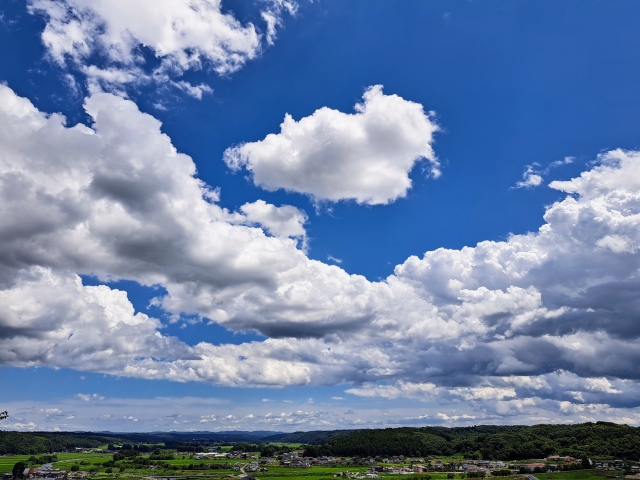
[330, 155]
[182, 34]
[545, 320]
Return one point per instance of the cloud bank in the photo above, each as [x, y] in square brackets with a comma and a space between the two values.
[541, 322]
[333, 156]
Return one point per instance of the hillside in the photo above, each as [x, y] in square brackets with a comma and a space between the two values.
[489, 442]
[317, 437]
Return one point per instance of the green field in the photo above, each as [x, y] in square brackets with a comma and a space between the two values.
[7, 463]
[574, 475]
[293, 446]
[277, 470]
[297, 475]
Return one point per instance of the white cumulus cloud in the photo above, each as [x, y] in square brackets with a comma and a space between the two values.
[330, 155]
[182, 34]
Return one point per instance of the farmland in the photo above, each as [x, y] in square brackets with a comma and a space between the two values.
[103, 466]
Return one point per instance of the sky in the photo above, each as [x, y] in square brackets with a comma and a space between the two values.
[295, 215]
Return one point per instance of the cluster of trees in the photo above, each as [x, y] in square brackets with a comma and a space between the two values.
[33, 460]
[489, 442]
[270, 450]
[125, 453]
[247, 447]
[161, 455]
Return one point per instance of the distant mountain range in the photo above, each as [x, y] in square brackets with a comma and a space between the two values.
[316, 437]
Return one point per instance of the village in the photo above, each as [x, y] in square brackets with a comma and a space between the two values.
[292, 465]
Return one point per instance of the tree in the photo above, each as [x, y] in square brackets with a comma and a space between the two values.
[18, 469]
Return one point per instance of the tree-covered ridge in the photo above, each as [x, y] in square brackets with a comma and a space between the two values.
[34, 443]
[317, 437]
[490, 442]
[484, 441]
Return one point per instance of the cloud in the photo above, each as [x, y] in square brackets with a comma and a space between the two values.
[25, 426]
[533, 175]
[286, 221]
[181, 34]
[366, 156]
[298, 417]
[448, 418]
[508, 327]
[195, 91]
[88, 397]
[559, 163]
[272, 15]
[52, 412]
[531, 178]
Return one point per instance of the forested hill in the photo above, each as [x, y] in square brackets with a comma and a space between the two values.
[317, 437]
[34, 443]
[489, 442]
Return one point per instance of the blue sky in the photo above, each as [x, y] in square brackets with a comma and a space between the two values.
[225, 254]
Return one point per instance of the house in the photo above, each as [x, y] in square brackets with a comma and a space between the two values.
[532, 466]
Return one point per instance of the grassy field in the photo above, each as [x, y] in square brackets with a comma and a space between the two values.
[574, 475]
[7, 463]
[292, 446]
[288, 471]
